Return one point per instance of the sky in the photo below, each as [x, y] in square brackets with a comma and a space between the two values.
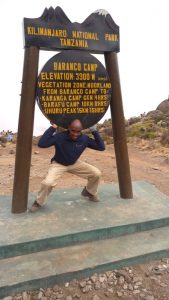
[143, 58]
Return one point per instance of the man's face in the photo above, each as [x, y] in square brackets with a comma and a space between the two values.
[75, 130]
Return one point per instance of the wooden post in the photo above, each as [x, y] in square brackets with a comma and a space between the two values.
[25, 131]
[118, 124]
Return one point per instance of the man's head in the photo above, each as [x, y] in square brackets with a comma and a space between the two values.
[75, 128]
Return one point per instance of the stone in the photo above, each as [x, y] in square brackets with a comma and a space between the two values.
[69, 298]
[121, 280]
[76, 295]
[8, 298]
[136, 279]
[56, 288]
[25, 296]
[66, 284]
[130, 287]
[82, 284]
[97, 285]
[136, 292]
[125, 286]
[142, 295]
[36, 152]
[162, 284]
[102, 279]
[110, 290]
[95, 297]
[87, 289]
[93, 278]
[103, 285]
[149, 297]
[119, 294]
[106, 294]
[40, 295]
[11, 152]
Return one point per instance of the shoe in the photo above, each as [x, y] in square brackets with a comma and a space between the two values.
[35, 207]
[91, 197]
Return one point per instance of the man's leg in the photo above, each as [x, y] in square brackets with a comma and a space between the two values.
[89, 172]
[54, 172]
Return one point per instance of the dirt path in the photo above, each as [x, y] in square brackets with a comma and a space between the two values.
[145, 165]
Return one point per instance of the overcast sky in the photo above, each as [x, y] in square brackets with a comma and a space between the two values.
[143, 58]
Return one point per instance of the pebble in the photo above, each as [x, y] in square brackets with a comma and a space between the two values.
[119, 294]
[87, 289]
[69, 298]
[95, 297]
[82, 284]
[66, 284]
[76, 295]
[97, 285]
[163, 284]
[93, 278]
[136, 292]
[121, 280]
[25, 296]
[148, 297]
[110, 291]
[40, 295]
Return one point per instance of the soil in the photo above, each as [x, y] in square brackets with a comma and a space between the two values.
[150, 165]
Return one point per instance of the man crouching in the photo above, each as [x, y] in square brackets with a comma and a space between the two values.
[69, 146]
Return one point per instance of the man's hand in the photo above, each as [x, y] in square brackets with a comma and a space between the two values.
[93, 128]
[53, 125]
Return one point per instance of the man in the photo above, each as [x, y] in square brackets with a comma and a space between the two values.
[69, 145]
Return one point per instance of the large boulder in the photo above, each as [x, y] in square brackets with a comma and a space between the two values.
[156, 115]
[164, 107]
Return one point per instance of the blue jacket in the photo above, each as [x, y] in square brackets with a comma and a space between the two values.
[67, 151]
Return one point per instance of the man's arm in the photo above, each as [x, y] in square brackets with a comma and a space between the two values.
[48, 138]
[97, 143]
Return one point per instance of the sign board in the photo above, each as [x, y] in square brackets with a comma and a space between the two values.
[73, 84]
[53, 30]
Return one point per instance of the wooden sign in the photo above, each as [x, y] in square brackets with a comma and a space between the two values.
[72, 85]
[53, 30]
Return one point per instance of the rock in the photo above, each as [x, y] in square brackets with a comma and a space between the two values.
[57, 288]
[95, 297]
[124, 274]
[102, 279]
[40, 295]
[110, 290]
[66, 284]
[137, 279]
[163, 284]
[149, 297]
[136, 292]
[119, 294]
[36, 152]
[130, 287]
[82, 284]
[69, 298]
[87, 289]
[93, 278]
[164, 107]
[125, 286]
[11, 152]
[25, 296]
[8, 298]
[103, 285]
[97, 285]
[76, 295]
[106, 294]
[121, 280]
